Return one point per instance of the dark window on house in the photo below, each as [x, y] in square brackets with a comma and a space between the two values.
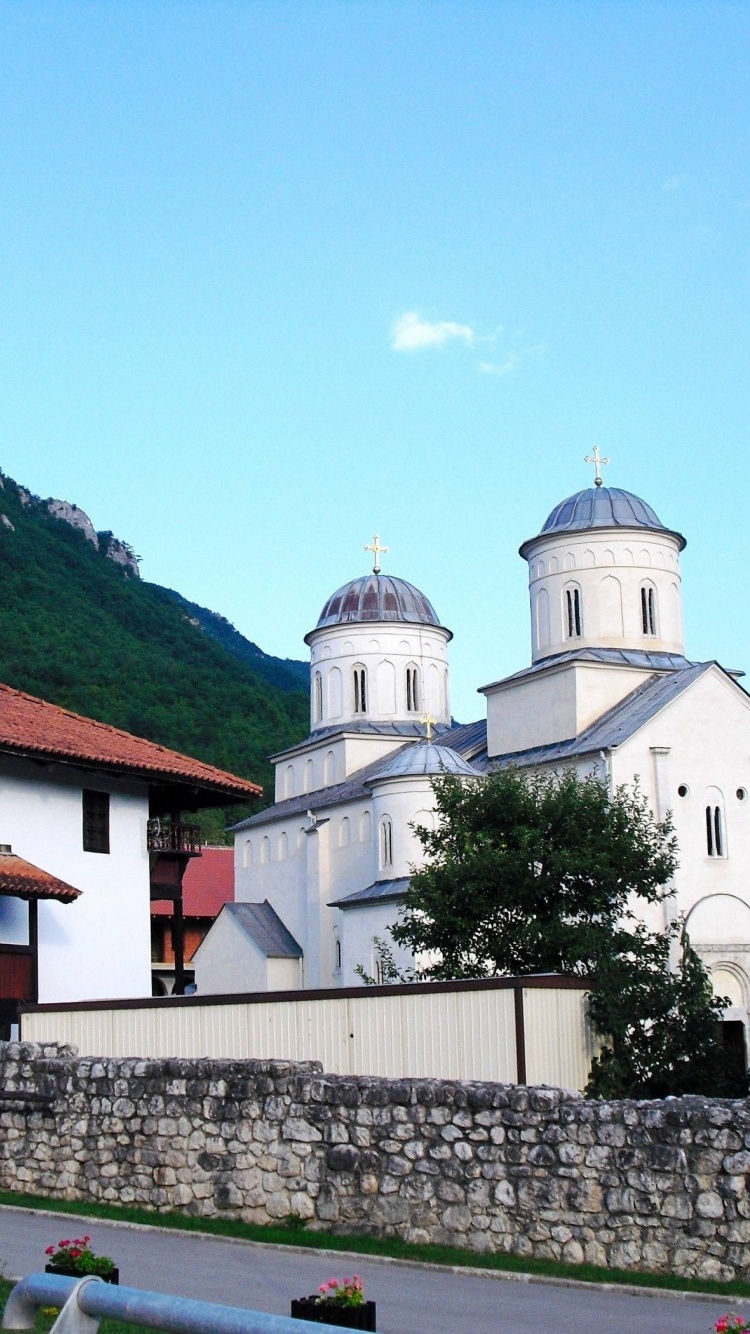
[95, 821]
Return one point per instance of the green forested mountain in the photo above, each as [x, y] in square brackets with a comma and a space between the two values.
[85, 632]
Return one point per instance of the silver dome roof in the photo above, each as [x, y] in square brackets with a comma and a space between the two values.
[601, 507]
[425, 758]
[377, 597]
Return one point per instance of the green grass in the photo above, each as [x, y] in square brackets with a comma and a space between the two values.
[298, 1235]
[45, 1321]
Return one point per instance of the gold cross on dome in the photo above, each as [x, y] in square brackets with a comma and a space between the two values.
[376, 550]
[598, 463]
[429, 722]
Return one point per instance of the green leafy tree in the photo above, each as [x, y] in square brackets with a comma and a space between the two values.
[551, 873]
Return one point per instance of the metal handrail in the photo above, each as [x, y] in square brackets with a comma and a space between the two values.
[86, 1301]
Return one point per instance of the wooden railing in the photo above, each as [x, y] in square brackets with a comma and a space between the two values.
[169, 836]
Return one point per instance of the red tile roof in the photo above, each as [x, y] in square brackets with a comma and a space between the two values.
[30, 726]
[21, 880]
[208, 884]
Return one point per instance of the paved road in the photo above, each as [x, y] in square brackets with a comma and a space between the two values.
[411, 1299]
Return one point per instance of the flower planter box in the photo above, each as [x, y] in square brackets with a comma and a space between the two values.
[112, 1277]
[330, 1313]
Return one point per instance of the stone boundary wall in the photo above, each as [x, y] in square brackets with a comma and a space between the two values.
[531, 1171]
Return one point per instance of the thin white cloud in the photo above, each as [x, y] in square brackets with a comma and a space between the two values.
[411, 333]
[499, 368]
[511, 362]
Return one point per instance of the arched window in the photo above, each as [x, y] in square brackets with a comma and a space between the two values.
[329, 767]
[265, 851]
[300, 839]
[572, 611]
[309, 776]
[716, 838]
[359, 674]
[317, 697]
[247, 853]
[648, 609]
[365, 827]
[386, 842]
[289, 781]
[337, 956]
[283, 847]
[344, 832]
[413, 694]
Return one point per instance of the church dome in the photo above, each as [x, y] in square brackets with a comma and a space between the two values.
[601, 507]
[426, 758]
[377, 597]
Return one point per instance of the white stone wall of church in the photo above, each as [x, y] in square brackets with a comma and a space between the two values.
[98, 947]
[702, 742]
[554, 704]
[609, 568]
[325, 762]
[271, 863]
[385, 650]
[228, 961]
[402, 802]
[359, 930]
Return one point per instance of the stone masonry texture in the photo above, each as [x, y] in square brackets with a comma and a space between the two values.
[490, 1167]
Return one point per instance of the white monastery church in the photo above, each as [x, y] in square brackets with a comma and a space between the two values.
[321, 873]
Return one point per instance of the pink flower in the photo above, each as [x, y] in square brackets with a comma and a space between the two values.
[50, 1250]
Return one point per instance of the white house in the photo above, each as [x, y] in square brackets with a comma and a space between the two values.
[609, 689]
[89, 833]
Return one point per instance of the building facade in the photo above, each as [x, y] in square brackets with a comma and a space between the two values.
[609, 690]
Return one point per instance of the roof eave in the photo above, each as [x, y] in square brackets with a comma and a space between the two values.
[527, 547]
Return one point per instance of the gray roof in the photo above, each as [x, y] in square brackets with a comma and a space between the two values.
[383, 891]
[618, 657]
[353, 788]
[617, 724]
[601, 507]
[265, 928]
[377, 597]
[424, 759]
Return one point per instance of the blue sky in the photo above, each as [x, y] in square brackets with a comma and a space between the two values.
[274, 277]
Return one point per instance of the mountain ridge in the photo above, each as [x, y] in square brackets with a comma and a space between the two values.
[80, 628]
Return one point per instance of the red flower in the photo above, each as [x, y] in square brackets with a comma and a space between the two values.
[50, 1250]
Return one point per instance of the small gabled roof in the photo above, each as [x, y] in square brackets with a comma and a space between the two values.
[619, 723]
[19, 879]
[614, 657]
[383, 891]
[33, 727]
[265, 928]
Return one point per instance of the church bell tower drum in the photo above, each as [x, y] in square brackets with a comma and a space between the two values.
[604, 572]
[378, 656]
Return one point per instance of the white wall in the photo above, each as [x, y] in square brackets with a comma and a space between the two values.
[702, 742]
[358, 930]
[554, 704]
[441, 1034]
[385, 649]
[320, 764]
[228, 961]
[99, 947]
[609, 566]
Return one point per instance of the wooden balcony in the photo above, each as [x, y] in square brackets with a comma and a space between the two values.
[169, 836]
